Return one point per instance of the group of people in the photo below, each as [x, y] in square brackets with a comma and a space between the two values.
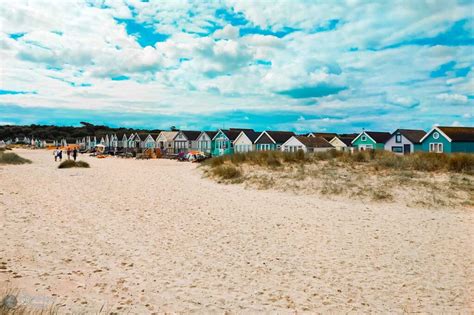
[58, 154]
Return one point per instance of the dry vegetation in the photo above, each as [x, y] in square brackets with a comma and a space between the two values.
[426, 179]
[11, 158]
[71, 163]
[13, 303]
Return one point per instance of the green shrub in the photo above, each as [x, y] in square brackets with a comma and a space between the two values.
[71, 163]
[461, 162]
[12, 158]
[227, 172]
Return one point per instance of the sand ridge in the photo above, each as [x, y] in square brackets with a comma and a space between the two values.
[154, 236]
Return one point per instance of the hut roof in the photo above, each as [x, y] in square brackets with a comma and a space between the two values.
[314, 142]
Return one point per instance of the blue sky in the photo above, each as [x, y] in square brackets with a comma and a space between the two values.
[295, 65]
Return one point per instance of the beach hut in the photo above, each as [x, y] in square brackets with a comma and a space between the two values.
[245, 141]
[306, 144]
[371, 140]
[405, 141]
[186, 140]
[343, 142]
[272, 140]
[133, 142]
[147, 140]
[449, 140]
[124, 141]
[107, 141]
[2, 144]
[165, 141]
[204, 141]
[223, 141]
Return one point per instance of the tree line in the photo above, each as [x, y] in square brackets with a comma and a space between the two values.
[50, 132]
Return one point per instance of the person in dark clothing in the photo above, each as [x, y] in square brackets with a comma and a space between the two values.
[68, 153]
[60, 155]
[74, 154]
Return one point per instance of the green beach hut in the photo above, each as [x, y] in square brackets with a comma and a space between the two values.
[223, 141]
[371, 140]
[449, 140]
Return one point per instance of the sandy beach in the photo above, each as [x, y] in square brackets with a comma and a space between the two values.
[144, 236]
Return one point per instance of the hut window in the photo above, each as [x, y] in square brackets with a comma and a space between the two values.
[436, 147]
[398, 138]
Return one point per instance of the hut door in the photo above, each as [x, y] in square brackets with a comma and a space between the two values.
[406, 149]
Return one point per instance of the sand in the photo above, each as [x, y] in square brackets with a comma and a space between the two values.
[154, 236]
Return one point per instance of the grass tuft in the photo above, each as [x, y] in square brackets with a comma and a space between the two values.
[12, 158]
[11, 304]
[461, 163]
[227, 172]
[71, 163]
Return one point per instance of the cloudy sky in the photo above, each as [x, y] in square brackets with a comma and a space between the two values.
[296, 65]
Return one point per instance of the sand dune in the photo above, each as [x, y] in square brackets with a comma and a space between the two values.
[154, 236]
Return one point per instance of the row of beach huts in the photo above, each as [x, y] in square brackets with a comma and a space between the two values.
[234, 140]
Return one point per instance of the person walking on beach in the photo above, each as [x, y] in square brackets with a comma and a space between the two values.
[68, 153]
[55, 154]
[60, 155]
[74, 154]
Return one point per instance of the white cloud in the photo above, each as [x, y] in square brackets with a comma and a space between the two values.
[228, 32]
[452, 98]
[71, 50]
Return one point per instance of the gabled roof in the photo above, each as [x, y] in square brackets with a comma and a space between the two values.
[251, 134]
[379, 137]
[454, 134]
[376, 136]
[168, 135]
[326, 135]
[144, 136]
[277, 136]
[231, 134]
[211, 134]
[191, 135]
[314, 142]
[280, 136]
[413, 135]
[346, 138]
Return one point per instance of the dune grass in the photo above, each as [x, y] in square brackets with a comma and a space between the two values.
[226, 172]
[421, 161]
[428, 179]
[71, 164]
[12, 304]
[12, 158]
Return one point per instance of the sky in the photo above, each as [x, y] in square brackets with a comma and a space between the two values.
[337, 66]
